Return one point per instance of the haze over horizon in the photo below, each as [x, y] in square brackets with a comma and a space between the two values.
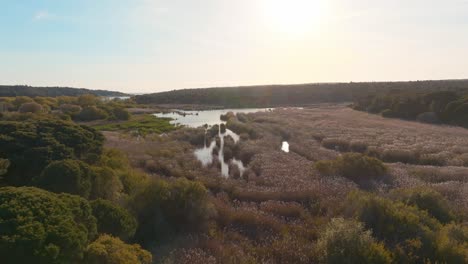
[147, 46]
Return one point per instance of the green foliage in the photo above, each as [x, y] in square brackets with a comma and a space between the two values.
[91, 113]
[31, 107]
[37, 226]
[67, 176]
[87, 100]
[32, 144]
[109, 250]
[4, 164]
[354, 166]
[452, 244]
[164, 209]
[428, 200]
[106, 184]
[121, 113]
[113, 219]
[346, 241]
[144, 124]
[449, 107]
[408, 230]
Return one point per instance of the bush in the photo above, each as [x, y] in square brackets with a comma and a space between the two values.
[66, 176]
[336, 144]
[37, 226]
[91, 113]
[109, 250]
[354, 166]
[70, 109]
[31, 145]
[164, 209]
[346, 241]
[408, 230]
[358, 146]
[113, 219]
[4, 164]
[31, 107]
[428, 117]
[452, 245]
[106, 184]
[121, 113]
[396, 155]
[388, 113]
[427, 200]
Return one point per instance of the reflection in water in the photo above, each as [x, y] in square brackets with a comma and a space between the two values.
[285, 147]
[200, 118]
[205, 154]
[211, 118]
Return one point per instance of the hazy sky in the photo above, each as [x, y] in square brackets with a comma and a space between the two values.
[145, 46]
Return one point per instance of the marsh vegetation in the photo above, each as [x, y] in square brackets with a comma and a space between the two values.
[322, 184]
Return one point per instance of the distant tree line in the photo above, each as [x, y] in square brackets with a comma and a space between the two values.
[447, 107]
[24, 90]
[293, 95]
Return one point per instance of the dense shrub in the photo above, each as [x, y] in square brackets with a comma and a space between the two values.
[91, 113]
[31, 107]
[336, 144]
[452, 244]
[70, 109]
[406, 229]
[346, 241]
[428, 200]
[31, 145]
[106, 184]
[68, 176]
[109, 250]
[4, 164]
[354, 166]
[120, 113]
[164, 209]
[113, 219]
[37, 226]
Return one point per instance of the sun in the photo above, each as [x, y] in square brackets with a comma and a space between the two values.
[294, 16]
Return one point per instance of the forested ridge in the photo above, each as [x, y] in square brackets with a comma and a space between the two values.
[293, 95]
[24, 90]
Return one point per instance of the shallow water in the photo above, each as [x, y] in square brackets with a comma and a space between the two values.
[208, 117]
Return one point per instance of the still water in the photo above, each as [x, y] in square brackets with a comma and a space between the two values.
[213, 117]
[208, 117]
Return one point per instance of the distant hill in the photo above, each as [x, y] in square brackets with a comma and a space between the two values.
[293, 95]
[22, 90]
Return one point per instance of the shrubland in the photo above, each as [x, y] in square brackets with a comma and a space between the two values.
[119, 197]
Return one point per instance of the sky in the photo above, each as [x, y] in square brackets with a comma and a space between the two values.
[141, 46]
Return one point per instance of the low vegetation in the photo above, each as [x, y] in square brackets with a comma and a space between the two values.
[354, 188]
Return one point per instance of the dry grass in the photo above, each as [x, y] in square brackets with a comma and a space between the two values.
[273, 213]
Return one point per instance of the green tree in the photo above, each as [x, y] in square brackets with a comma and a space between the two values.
[346, 241]
[68, 176]
[109, 250]
[113, 219]
[31, 145]
[37, 226]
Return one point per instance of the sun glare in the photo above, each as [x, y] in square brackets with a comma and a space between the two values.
[294, 16]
